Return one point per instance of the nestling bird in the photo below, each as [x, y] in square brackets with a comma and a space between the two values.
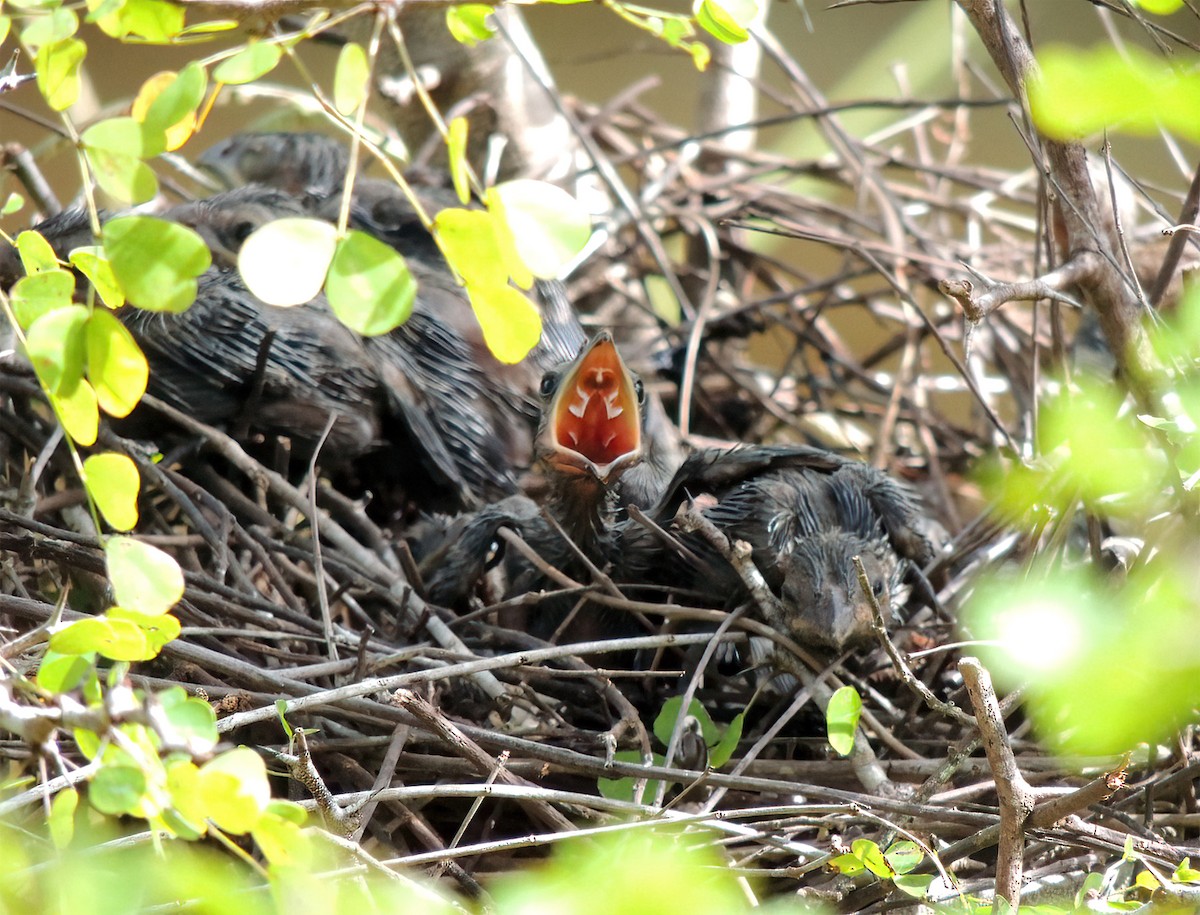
[806, 513]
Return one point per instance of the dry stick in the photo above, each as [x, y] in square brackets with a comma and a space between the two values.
[439, 724]
[415, 608]
[1187, 215]
[383, 778]
[344, 821]
[1015, 794]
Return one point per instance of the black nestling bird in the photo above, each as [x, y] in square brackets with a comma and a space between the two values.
[806, 513]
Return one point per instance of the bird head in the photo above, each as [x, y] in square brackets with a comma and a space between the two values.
[824, 602]
[592, 415]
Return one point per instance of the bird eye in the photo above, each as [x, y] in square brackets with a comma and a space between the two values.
[494, 555]
[549, 383]
[640, 390]
[241, 231]
[877, 587]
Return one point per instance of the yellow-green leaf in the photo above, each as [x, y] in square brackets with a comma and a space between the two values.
[57, 66]
[369, 287]
[152, 20]
[726, 20]
[351, 78]
[113, 482]
[468, 23]
[62, 817]
[468, 240]
[255, 60]
[116, 366]
[13, 203]
[511, 324]
[91, 262]
[78, 411]
[841, 719]
[285, 261]
[158, 629]
[155, 261]
[235, 790]
[36, 295]
[56, 25]
[55, 345]
[144, 578]
[549, 227]
[117, 640]
[35, 252]
[115, 148]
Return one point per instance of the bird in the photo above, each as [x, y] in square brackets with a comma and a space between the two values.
[806, 513]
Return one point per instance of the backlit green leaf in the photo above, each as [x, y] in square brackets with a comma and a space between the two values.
[664, 724]
[12, 204]
[841, 719]
[157, 629]
[351, 78]
[155, 261]
[79, 412]
[91, 262]
[468, 240]
[283, 843]
[178, 99]
[369, 286]
[511, 324]
[114, 483]
[904, 855]
[55, 345]
[115, 148]
[235, 790]
[116, 367]
[57, 25]
[1160, 7]
[285, 261]
[621, 789]
[255, 60]
[549, 227]
[721, 753]
[915, 885]
[36, 295]
[60, 673]
[117, 790]
[183, 785]
[151, 20]
[726, 20]
[193, 719]
[62, 817]
[36, 253]
[57, 66]
[144, 578]
[468, 23]
[871, 856]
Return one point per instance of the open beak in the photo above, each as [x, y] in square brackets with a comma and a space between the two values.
[594, 420]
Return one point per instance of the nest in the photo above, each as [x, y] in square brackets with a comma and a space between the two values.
[839, 336]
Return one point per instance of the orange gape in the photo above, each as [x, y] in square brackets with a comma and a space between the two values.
[597, 411]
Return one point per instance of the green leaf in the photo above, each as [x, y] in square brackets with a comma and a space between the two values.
[113, 482]
[193, 719]
[187, 797]
[59, 25]
[904, 855]
[166, 107]
[117, 790]
[57, 66]
[115, 148]
[841, 719]
[62, 817]
[117, 368]
[12, 204]
[720, 754]
[255, 60]
[91, 262]
[849, 865]
[157, 629]
[351, 78]
[664, 724]
[78, 411]
[115, 639]
[872, 858]
[468, 24]
[41, 293]
[728, 20]
[156, 21]
[1160, 7]
[1082, 92]
[235, 790]
[621, 789]
[284, 262]
[155, 261]
[61, 673]
[288, 810]
[369, 286]
[282, 842]
[915, 885]
[55, 345]
[511, 323]
[549, 227]
[144, 578]
[468, 240]
[36, 254]
[456, 150]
